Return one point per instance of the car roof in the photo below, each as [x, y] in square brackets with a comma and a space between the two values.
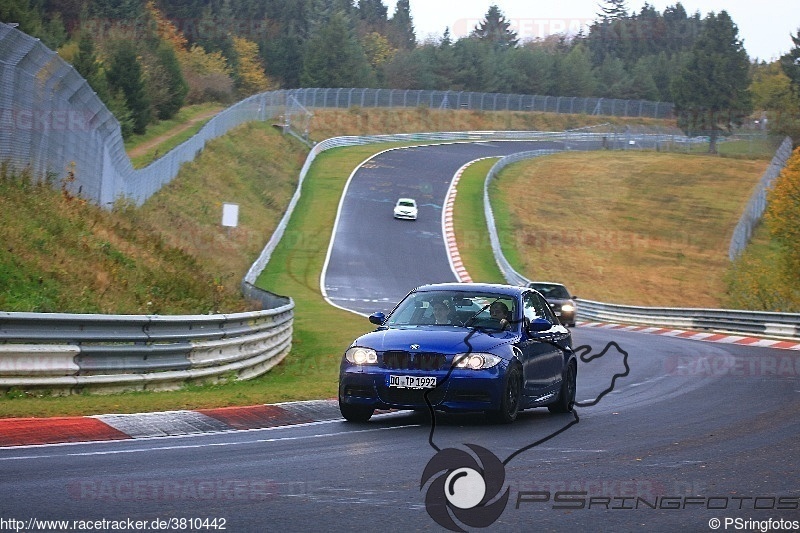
[405, 200]
[508, 290]
[547, 283]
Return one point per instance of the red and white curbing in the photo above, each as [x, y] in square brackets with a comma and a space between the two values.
[449, 232]
[724, 338]
[115, 427]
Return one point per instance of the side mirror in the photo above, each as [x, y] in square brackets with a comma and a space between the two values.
[539, 324]
[377, 318]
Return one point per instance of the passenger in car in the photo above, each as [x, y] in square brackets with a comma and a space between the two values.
[499, 311]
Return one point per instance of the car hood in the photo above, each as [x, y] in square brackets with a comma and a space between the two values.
[435, 339]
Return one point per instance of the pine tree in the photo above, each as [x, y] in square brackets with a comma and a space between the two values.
[401, 27]
[335, 58]
[573, 73]
[85, 61]
[788, 122]
[496, 29]
[613, 10]
[374, 15]
[710, 92]
[176, 85]
[790, 63]
[125, 76]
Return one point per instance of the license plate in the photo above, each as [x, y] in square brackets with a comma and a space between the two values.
[413, 382]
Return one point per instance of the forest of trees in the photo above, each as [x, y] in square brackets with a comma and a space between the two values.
[147, 58]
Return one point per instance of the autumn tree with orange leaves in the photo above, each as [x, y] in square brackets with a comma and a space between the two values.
[766, 277]
[783, 215]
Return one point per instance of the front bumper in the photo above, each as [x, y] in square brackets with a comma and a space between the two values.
[463, 390]
[566, 318]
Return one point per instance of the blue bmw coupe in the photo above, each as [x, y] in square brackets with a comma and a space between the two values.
[461, 347]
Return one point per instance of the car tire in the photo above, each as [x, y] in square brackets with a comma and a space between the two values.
[355, 413]
[510, 401]
[566, 396]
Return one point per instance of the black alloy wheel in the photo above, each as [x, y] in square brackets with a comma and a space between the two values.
[510, 402]
[566, 397]
[355, 413]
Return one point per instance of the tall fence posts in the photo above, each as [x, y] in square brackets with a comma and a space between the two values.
[758, 201]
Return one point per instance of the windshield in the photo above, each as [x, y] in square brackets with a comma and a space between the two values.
[406, 203]
[557, 292]
[454, 308]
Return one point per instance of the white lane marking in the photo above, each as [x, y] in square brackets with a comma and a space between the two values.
[204, 445]
[332, 239]
[673, 464]
[577, 450]
[365, 300]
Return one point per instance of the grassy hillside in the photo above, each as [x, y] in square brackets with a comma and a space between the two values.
[61, 254]
[630, 228]
[169, 257]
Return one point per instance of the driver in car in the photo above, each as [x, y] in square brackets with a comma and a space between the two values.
[441, 313]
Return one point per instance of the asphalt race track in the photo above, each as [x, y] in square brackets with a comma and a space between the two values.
[679, 432]
[375, 260]
[672, 435]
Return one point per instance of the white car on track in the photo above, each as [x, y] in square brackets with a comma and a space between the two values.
[406, 208]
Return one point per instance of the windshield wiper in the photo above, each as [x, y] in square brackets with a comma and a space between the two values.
[468, 322]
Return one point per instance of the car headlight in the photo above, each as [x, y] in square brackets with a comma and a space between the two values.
[476, 361]
[361, 356]
[567, 308]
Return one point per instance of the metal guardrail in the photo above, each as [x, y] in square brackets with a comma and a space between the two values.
[511, 275]
[67, 353]
[782, 325]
